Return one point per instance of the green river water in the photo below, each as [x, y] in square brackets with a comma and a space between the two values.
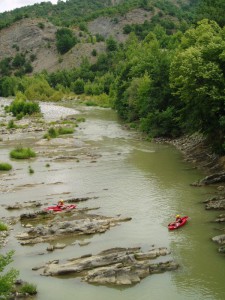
[134, 178]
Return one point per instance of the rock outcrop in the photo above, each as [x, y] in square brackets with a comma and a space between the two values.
[80, 225]
[116, 266]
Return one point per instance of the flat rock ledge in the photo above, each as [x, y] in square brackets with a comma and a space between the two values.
[215, 203]
[78, 227]
[211, 179]
[116, 266]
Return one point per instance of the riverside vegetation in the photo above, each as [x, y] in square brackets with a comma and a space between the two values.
[165, 80]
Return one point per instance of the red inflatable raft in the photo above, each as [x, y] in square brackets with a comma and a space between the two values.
[178, 224]
[60, 208]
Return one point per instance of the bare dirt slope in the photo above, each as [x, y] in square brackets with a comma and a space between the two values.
[36, 37]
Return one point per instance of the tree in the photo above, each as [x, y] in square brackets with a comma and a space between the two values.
[78, 86]
[8, 278]
[19, 60]
[65, 40]
[198, 78]
[111, 44]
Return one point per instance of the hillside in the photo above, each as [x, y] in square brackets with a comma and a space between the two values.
[30, 32]
[36, 38]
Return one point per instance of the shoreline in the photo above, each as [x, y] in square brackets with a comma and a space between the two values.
[197, 152]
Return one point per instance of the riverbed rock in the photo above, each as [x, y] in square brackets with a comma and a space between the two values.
[83, 225]
[219, 239]
[211, 179]
[116, 266]
[19, 205]
[220, 219]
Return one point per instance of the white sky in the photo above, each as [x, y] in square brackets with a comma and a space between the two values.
[6, 5]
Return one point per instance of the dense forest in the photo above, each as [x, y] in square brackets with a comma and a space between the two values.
[167, 79]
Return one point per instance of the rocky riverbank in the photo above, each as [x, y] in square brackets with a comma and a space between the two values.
[196, 151]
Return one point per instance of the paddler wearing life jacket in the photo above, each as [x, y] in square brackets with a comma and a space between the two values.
[178, 218]
[60, 203]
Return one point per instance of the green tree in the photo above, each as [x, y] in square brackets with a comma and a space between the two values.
[5, 66]
[198, 78]
[111, 44]
[65, 40]
[78, 86]
[19, 60]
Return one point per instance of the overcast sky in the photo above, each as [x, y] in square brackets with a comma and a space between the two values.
[6, 5]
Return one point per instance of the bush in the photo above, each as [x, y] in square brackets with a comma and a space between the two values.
[3, 227]
[78, 86]
[31, 171]
[22, 153]
[22, 106]
[5, 167]
[65, 40]
[53, 132]
[11, 124]
[65, 130]
[28, 288]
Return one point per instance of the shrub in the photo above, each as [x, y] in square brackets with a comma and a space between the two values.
[80, 119]
[11, 124]
[52, 133]
[5, 167]
[78, 86]
[41, 25]
[29, 288]
[22, 106]
[65, 40]
[31, 171]
[22, 153]
[94, 52]
[3, 227]
[19, 60]
[65, 130]
[90, 103]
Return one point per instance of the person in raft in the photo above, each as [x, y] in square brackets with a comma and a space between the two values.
[178, 219]
[61, 203]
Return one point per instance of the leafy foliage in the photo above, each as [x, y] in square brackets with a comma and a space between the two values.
[197, 78]
[22, 106]
[65, 40]
[55, 132]
[7, 278]
[211, 9]
[22, 153]
[5, 167]
[29, 288]
[3, 227]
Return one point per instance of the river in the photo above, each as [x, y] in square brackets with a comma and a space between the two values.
[131, 177]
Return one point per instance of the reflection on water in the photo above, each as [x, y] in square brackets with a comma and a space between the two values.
[147, 182]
